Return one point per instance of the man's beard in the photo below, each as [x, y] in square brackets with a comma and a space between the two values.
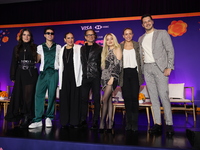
[149, 28]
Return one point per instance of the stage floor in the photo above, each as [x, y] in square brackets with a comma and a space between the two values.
[119, 136]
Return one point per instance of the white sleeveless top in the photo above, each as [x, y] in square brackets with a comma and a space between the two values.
[129, 58]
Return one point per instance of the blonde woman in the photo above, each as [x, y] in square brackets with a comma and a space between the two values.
[111, 66]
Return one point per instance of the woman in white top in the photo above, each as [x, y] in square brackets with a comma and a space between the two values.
[130, 79]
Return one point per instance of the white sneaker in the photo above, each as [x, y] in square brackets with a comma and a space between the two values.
[35, 130]
[48, 122]
[35, 125]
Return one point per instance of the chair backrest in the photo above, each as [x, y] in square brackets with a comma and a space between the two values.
[117, 94]
[176, 90]
[9, 89]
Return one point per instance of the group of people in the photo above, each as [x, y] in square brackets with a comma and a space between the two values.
[79, 70]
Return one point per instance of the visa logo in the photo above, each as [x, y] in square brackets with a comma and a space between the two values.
[86, 27]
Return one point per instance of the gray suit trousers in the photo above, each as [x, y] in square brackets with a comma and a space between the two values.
[157, 85]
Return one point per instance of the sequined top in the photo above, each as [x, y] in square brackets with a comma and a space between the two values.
[112, 68]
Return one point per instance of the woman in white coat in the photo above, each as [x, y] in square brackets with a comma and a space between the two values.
[70, 78]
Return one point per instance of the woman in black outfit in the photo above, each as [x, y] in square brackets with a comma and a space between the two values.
[24, 74]
[70, 79]
[130, 79]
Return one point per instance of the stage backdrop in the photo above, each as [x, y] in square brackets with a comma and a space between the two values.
[183, 28]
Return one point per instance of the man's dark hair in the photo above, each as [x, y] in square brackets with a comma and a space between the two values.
[48, 28]
[144, 16]
[95, 34]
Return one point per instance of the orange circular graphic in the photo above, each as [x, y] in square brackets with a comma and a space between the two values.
[177, 28]
[5, 39]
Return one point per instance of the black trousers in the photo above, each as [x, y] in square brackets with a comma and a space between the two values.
[87, 85]
[69, 100]
[130, 92]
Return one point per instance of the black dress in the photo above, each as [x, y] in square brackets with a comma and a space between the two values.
[69, 94]
[22, 98]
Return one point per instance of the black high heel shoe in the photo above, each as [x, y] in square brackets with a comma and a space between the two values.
[101, 127]
[110, 127]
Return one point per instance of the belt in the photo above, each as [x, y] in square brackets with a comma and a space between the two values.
[26, 64]
[27, 67]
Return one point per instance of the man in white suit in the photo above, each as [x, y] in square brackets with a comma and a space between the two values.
[157, 62]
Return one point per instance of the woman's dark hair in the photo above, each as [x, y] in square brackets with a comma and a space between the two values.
[31, 42]
[68, 33]
[127, 29]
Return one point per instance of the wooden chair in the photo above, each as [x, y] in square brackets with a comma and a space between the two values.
[118, 102]
[6, 102]
[178, 95]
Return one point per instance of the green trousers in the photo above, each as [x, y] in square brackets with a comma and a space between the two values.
[47, 80]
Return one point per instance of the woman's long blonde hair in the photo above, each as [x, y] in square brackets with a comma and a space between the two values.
[105, 48]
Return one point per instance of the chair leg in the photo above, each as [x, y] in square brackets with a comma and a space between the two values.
[5, 106]
[186, 115]
[113, 114]
[147, 112]
[152, 114]
[123, 112]
[194, 112]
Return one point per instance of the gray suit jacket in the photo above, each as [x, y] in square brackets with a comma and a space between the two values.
[162, 49]
[137, 53]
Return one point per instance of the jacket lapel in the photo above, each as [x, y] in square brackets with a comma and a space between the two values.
[135, 45]
[155, 35]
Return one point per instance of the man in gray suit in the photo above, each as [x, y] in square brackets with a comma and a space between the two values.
[157, 62]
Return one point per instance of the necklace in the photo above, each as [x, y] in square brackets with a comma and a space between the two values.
[24, 53]
[49, 45]
[25, 48]
[70, 50]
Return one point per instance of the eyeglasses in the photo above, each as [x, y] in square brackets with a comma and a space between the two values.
[49, 33]
[89, 35]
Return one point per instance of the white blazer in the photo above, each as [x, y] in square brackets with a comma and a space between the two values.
[41, 52]
[77, 65]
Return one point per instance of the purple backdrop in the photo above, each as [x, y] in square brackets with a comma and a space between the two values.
[186, 46]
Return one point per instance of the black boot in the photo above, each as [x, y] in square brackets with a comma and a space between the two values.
[25, 123]
[94, 125]
[134, 126]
